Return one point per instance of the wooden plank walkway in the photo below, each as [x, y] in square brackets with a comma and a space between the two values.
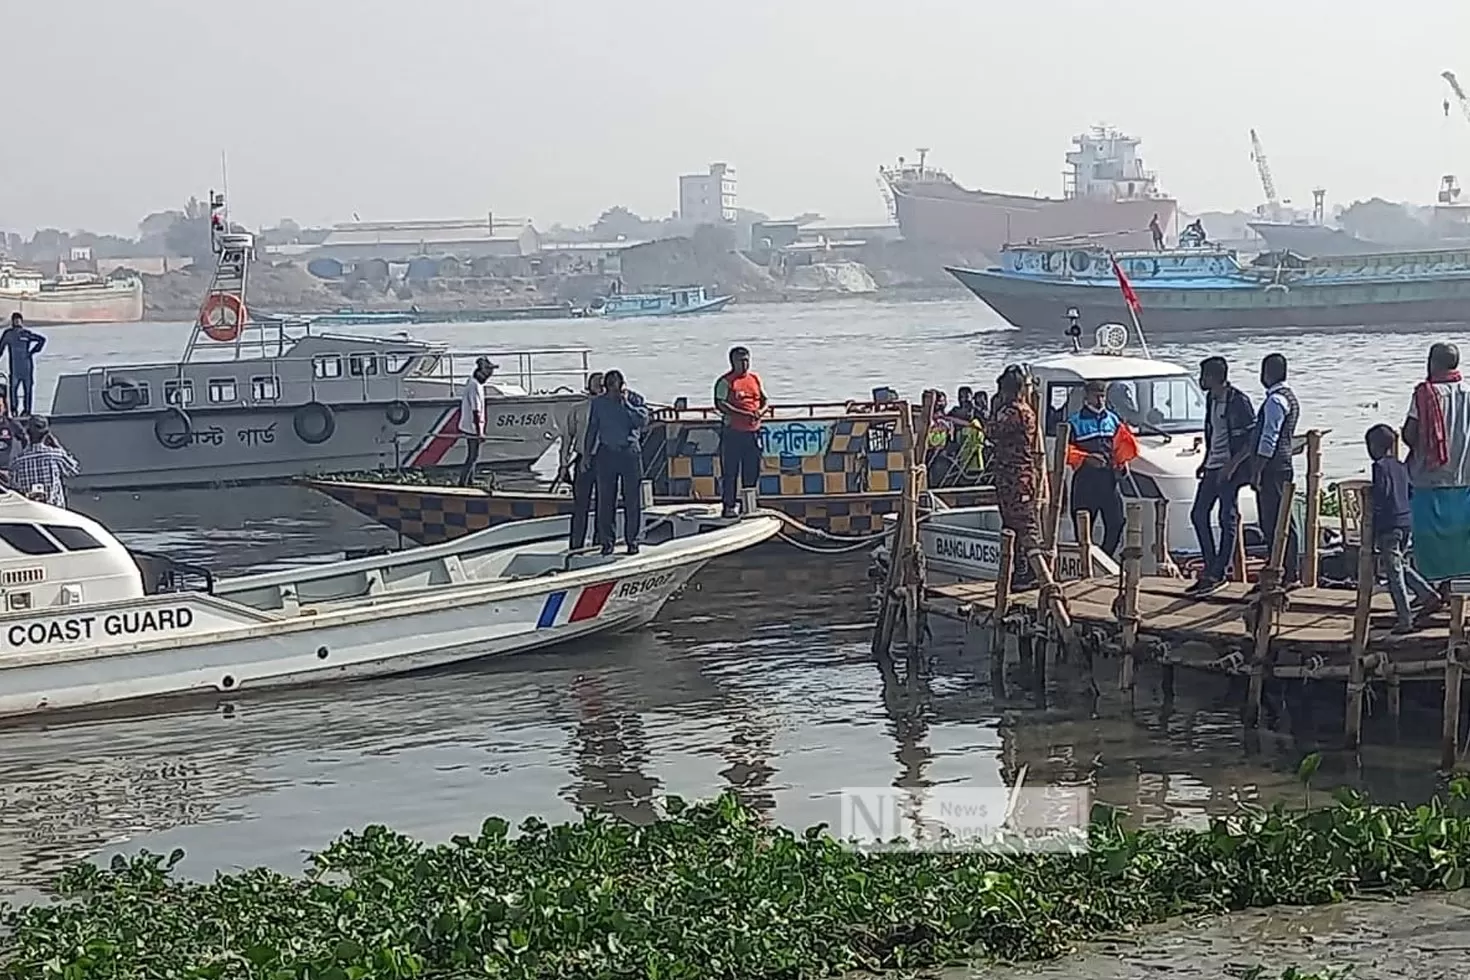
[1314, 617]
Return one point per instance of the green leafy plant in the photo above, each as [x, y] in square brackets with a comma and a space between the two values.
[708, 891]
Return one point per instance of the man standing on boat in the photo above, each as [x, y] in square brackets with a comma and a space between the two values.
[741, 402]
[576, 466]
[1101, 446]
[42, 468]
[1013, 435]
[472, 416]
[1271, 467]
[1229, 420]
[1155, 229]
[1437, 432]
[614, 442]
[23, 344]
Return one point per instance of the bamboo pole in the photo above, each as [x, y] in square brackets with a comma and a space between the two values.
[1362, 611]
[1005, 572]
[1084, 541]
[1161, 535]
[1454, 677]
[1132, 579]
[1056, 490]
[1239, 561]
[899, 550]
[1266, 605]
[913, 487]
[1312, 533]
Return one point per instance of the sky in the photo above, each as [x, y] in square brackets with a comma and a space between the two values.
[554, 111]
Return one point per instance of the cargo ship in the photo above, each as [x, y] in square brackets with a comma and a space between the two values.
[1444, 225]
[1185, 290]
[1106, 194]
[80, 298]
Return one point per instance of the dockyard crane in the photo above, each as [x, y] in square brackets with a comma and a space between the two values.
[1464, 102]
[1258, 154]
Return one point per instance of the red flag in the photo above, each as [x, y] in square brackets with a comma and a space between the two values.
[1129, 296]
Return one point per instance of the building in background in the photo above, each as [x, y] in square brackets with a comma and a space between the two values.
[400, 241]
[708, 199]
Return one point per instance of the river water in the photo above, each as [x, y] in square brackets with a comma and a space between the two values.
[757, 679]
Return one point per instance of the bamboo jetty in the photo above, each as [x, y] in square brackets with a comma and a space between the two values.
[1266, 635]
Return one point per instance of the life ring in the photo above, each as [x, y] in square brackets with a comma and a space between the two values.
[1146, 268]
[222, 316]
[1049, 262]
[314, 423]
[121, 395]
[1080, 262]
[173, 428]
[398, 412]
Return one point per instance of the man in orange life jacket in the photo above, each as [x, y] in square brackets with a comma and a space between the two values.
[741, 402]
[1100, 448]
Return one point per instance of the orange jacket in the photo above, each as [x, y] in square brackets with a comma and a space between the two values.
[1125, 449]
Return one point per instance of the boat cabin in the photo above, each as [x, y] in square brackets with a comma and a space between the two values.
[281, 364]
[1078, 262]
[53, 559]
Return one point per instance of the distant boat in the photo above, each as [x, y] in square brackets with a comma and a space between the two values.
[1037, 287]
[78, 298]
[668, 302]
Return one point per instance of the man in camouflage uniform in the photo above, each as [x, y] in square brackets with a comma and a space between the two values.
[1013, 435]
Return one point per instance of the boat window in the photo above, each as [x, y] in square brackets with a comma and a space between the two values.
[27, 539]
[1171, 404]
[180, 392]
[73, 538]
[359, 365]
[265, 388]
[223, 390]
[397, 361]
[326, 366]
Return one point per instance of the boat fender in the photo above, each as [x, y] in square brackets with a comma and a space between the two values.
[314, 423]
[398, 412]
[173, 428]
[120, 395]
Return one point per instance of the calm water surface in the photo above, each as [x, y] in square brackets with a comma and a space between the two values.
[757, 679]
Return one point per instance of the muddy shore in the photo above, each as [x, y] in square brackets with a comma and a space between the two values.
[1424, 937]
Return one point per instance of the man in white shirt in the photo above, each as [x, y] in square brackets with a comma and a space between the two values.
[1437, 432]
[472, 416]
[576, 465]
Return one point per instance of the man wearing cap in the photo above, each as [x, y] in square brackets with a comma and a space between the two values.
[741, 401]
[472, 416]
[1101, 446]
[575, 467]
[42, 467]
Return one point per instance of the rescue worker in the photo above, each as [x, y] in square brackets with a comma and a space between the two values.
[741, 402]
[23, 345]
[1014, 436]
[1100, 447]
[968, 436]
[616, 420]
[1271, 464]
[576, 466]
[939, 453]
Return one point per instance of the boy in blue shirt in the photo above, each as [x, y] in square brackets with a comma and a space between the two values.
[1391, 524]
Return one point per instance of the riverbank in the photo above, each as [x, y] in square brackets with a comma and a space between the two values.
[712, 891]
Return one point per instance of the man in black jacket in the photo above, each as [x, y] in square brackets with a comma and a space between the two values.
[1229, 422]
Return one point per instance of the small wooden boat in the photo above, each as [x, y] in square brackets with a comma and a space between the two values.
[86, 623]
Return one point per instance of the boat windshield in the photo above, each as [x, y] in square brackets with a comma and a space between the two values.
[1170, 404]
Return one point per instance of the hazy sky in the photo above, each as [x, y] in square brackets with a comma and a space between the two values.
[556, 109]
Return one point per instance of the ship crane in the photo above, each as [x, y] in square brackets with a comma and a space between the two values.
[1460, 97]
[1258, 154]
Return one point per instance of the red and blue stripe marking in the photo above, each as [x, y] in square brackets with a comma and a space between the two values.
[588, 605]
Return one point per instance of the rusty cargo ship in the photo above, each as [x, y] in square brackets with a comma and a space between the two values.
[69, 298]
[1107, 195]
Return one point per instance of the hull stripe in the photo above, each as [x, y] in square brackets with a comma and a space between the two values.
[549, 611]
[591, 601]
[442, 442]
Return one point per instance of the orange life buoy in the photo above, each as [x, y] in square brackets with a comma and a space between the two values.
[222, 317]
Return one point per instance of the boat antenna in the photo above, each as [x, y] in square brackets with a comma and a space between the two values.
[224, 175]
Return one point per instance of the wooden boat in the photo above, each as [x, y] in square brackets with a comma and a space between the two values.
[835, 467]
[85, 623]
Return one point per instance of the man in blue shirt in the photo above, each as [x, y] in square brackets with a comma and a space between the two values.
[1095, 488]
[614, 443]
[1392, 521]
[1271, 468]
[23, 344]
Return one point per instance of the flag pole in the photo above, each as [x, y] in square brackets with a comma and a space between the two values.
[1130, 299]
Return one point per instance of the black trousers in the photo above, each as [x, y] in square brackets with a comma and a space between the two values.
[740, 464]
[1269, 501]
[1095, 491]
[584, 483]
[618, 470]
[471, 457]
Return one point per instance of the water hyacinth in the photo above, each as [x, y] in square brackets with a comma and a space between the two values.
[708, 891]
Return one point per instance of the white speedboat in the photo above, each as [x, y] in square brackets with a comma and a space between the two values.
[85, 622]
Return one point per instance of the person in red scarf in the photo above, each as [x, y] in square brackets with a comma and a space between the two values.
[1437, 432]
